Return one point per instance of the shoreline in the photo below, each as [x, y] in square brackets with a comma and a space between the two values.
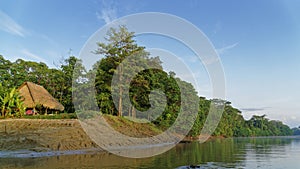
[36, 137]
[190, 139]
[24, 153]
[51, 137]
[58, 136]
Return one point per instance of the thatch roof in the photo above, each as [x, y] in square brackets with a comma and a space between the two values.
[34, 95]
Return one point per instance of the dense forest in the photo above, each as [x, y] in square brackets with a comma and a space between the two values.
[120, 46]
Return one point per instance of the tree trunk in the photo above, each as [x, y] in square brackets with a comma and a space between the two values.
[133, 112]
[120, 102]
[120, 90]
[129, 111]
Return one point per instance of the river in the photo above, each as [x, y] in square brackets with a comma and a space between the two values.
[260, 152]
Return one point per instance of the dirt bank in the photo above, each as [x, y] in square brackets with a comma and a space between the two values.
[60, 135]
[43, 135]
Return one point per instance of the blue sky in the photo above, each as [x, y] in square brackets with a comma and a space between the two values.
[258, 42]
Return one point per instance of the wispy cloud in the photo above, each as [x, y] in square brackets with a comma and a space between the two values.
[254, 109]
[7, 24]
[33, 56]
[226, 48]
[108, 12]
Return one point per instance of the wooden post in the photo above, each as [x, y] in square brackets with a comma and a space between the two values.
[46, 111]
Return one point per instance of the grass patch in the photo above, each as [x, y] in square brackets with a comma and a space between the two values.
[54, 116]
[132, 128]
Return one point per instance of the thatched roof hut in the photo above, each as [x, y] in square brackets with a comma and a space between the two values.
[34, 95]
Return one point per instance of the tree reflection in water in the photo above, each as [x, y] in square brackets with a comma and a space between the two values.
[219, 153]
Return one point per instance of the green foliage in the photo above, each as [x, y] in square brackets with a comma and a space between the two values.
[122, 48]
[73, 72]
[261, 126]
[120, 45]
[58, 82]
[11, 103]
[232, 123]
[52, 116]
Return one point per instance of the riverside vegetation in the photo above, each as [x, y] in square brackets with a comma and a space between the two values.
[120, 44]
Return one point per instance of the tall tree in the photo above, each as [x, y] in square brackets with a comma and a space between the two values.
[120, 45]
[72, 72]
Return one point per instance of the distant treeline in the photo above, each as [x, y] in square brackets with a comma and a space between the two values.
[120, 47]
[296, 130]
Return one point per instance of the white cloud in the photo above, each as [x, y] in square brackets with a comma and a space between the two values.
[226, 48]
[108, 12]
[7, 24]
[33, 56]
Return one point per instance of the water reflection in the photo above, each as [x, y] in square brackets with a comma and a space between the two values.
[275, 152]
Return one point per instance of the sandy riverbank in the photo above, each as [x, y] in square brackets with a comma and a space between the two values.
[61, 134]
[43, 135]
